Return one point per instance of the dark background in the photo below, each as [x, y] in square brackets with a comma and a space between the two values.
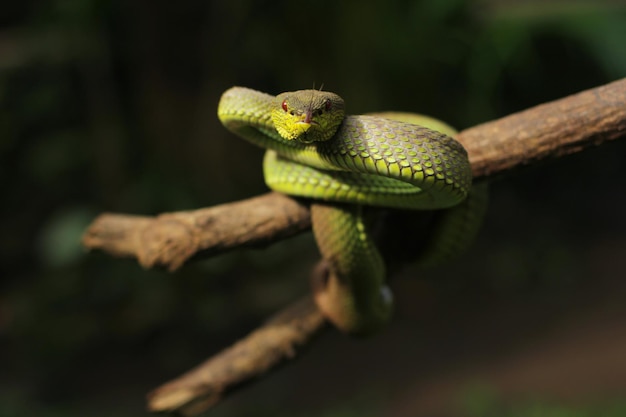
[110, 106]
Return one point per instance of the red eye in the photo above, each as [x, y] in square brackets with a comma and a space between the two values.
[328, 104]
[284, 105]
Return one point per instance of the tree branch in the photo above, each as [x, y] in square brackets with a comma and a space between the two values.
[543, 132]
[171, 239]
[547, 131]
[262, 350]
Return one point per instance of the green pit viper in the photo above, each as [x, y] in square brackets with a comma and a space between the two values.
[343, 163]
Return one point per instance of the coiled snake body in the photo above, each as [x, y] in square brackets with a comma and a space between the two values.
[345, 162]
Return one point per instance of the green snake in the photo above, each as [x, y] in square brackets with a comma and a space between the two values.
[345, 163]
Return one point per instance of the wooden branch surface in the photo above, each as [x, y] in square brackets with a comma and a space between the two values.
[546, 131]
[171, 239]
[543, 132]
[262, 350]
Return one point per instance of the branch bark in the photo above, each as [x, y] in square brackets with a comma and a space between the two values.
[262, 350]
[543, 132]
[547, 131]
[169, 240]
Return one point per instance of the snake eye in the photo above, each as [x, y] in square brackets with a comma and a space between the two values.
[284, 106]
[327, 104]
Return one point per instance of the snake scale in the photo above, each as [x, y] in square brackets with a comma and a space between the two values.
[345, 163]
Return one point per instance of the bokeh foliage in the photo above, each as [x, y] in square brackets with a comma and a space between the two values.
[110, 106]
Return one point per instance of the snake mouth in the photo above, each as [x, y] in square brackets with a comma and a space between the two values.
[309, 123]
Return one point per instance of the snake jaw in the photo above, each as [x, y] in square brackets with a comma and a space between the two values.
[300, 129]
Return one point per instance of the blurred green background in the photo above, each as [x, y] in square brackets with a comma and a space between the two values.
[110, 106]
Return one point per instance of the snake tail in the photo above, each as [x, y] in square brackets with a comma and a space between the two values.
[353, 294]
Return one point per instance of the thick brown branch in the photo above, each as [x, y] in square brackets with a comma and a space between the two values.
[547, 131]
[171, 239]
[273, 343]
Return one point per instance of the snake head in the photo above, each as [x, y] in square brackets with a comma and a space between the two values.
[308, 115]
